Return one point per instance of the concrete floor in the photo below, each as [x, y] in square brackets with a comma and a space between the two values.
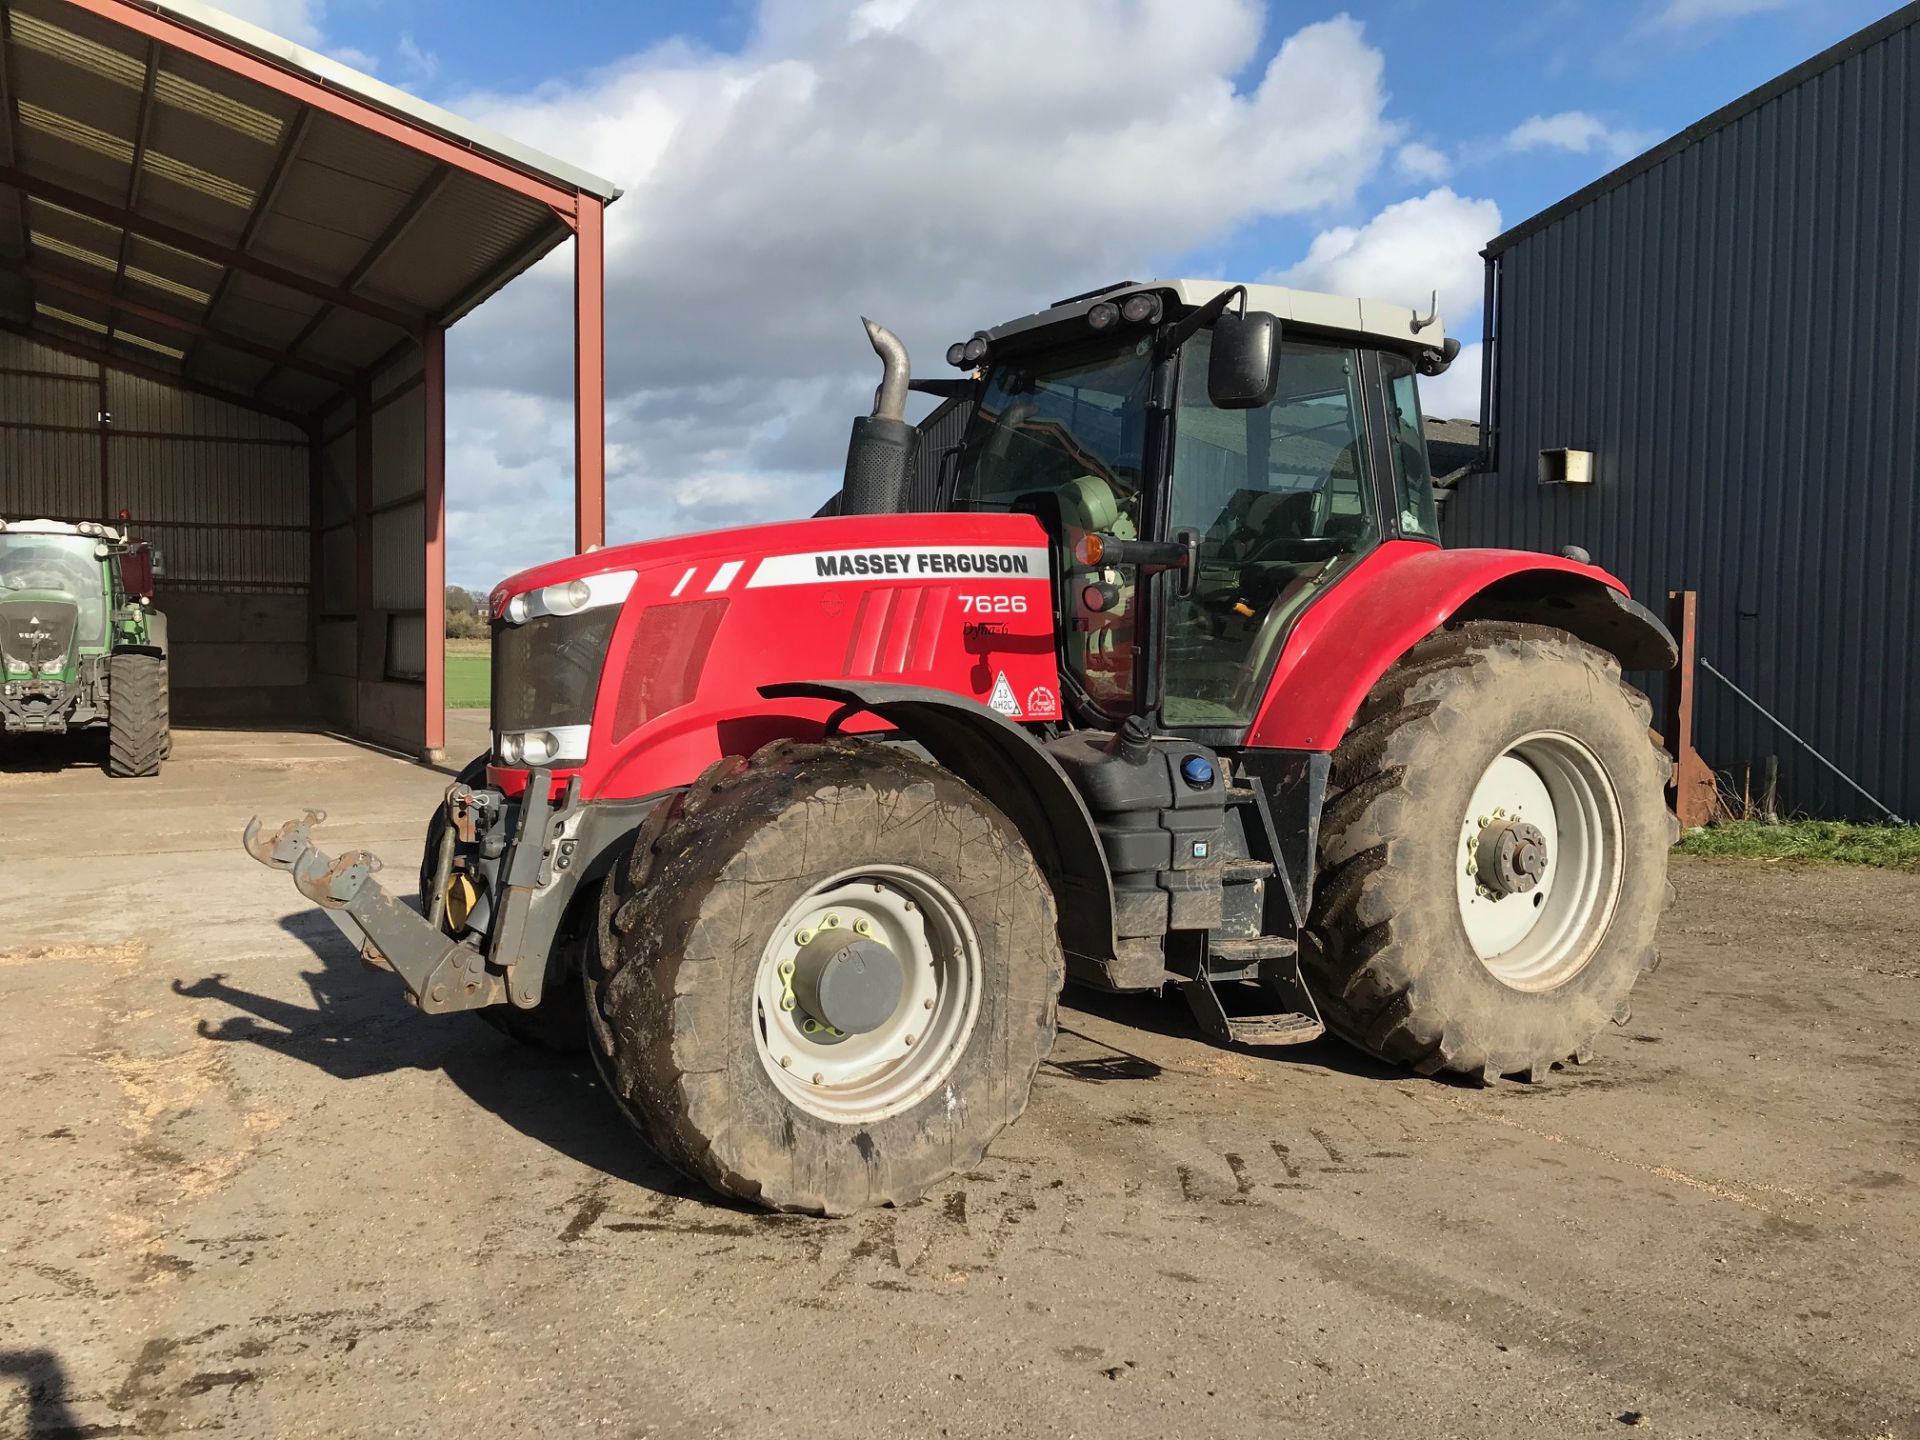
[248, 1190]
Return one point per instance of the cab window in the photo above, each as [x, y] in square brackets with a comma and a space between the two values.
[1280, 498]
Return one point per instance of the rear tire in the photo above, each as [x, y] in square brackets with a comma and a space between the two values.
[1425, 948]
[699, 924]
[138, 728]
[559, 1022]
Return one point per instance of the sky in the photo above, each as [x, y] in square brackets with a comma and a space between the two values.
[944, 165]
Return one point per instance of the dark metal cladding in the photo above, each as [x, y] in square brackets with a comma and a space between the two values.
[1727, 324]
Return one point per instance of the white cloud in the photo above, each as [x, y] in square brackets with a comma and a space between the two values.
[936, 166]
[1405, 253]
[1421, 162]
[296, 20]
[1456, 394]
[1579, 132]
[1685, 14]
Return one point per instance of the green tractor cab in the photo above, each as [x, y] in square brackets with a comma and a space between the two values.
[81, 646]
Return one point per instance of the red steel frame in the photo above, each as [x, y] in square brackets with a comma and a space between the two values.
[582, 213]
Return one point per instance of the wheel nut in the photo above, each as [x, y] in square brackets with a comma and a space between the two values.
[804, 937]
[863, 926]
[927, 1004]
[819, 1079]
[831, 922]
[909, 1041]
[785, 1061]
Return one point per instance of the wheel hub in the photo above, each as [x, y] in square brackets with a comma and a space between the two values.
[850, 982]
[1510, 856]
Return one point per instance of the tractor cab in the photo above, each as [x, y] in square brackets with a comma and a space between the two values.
[1208, 459]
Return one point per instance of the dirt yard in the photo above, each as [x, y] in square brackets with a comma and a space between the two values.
[249, 1191]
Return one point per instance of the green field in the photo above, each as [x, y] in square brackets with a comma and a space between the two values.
[469, 674]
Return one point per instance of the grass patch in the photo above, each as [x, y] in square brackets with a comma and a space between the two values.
[469, 675]
[1816, 841]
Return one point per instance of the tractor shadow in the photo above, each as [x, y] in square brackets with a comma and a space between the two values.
[51, 754]
[1167, 1015]
[359, 1026]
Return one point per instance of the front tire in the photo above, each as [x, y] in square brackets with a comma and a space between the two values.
[138, 714]
[1493, 855]
[706, 971]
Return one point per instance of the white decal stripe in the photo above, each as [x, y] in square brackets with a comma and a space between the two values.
[723, 577]
[979, 563]
[684, 579]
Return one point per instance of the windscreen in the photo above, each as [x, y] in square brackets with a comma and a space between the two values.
[57, 565]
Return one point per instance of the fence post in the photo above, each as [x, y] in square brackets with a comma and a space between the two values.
[1695, 792]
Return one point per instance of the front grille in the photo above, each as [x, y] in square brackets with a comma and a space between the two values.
[37, 632]
[546, 672]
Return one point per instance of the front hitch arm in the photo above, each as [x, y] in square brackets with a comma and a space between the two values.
[440, 973]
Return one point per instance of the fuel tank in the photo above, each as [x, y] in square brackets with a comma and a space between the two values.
[642, 663]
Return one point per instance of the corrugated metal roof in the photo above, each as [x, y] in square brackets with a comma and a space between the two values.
[195, 219]
[284, 52]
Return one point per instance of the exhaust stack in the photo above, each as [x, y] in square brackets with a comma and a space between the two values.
[880, 453]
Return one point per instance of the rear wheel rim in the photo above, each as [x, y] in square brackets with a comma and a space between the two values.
[857, 1079]
[1536, 931]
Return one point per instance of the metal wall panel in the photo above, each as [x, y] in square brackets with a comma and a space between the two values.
[49, 474]
[1731, 331]
[224, 493]
[400, 447]
[399, 558]
[141, 404]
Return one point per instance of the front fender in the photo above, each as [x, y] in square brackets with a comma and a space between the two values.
[1002, 762]
[1403, 592]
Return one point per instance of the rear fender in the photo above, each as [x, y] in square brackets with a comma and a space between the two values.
[1403, 592]
[1002, 762]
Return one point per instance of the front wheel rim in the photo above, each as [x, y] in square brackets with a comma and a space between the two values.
[855, 1079]
[1539, 860]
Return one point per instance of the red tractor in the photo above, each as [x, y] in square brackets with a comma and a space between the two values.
[801, 827]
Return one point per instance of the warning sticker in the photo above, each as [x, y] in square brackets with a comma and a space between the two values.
[1003, 699]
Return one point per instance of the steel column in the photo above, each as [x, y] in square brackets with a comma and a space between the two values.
[433, 344]
[1696, 793]
[589, 377]
[367, 647]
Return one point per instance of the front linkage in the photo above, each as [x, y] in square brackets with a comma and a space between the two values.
[504, 964]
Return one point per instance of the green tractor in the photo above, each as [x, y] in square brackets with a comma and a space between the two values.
[81, 646]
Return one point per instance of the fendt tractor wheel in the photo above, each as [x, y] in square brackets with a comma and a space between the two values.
[138, 728]
[1493, 855]
[824, 977]
[559, 1022]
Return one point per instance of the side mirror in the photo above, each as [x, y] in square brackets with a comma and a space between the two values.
[1242, 368]
[136, 572]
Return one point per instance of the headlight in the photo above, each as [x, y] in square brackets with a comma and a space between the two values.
[567, 598]
[517, 610]
[510, 749]
[1136, 308]
[537, 747]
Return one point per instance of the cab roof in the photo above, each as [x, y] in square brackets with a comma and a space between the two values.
[1380, 321]
[60, 527]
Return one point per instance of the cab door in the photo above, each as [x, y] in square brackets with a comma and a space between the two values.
[1276, 502]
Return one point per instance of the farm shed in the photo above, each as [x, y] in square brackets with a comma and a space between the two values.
[1727, 327]
[227, 269]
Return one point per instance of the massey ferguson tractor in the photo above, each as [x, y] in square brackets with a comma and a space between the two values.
[81, 646]
[801, 827]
